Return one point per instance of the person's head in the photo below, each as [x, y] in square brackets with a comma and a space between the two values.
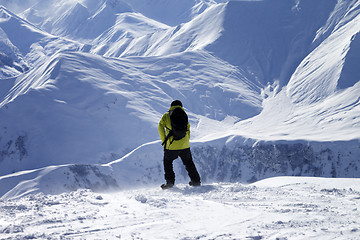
[176, 103]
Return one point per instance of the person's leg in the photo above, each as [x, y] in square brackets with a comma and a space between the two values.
[169, 157]
[187, 160]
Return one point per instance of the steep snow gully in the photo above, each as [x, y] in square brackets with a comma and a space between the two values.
[271, 88]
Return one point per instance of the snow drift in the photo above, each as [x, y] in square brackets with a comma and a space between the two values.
[271, 91]
[271, 208]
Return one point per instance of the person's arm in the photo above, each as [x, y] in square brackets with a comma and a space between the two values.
[161, 129]
[188, 129]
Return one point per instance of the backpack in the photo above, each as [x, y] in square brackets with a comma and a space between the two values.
[179, 122]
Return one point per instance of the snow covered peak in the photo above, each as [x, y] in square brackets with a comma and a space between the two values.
[203, 30]
[16, 28]
[4, 12]
[325, 71]
[269, 38]
[170, 12]
[71, 19]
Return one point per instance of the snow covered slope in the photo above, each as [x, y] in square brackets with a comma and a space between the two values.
[114, 104]
[269, 38]
[23, 45]
[271, 88]
[275, 208]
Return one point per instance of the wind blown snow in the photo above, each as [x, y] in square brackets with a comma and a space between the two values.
[277, 208]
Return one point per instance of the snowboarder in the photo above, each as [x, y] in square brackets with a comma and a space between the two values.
[174, 131]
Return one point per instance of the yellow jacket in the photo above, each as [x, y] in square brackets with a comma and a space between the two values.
[164, 128]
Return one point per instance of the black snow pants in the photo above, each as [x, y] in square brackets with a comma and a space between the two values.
[186, 157]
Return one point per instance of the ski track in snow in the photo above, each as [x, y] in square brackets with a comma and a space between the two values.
[300, 208]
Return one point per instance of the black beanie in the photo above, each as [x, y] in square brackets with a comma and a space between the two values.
[176, 103]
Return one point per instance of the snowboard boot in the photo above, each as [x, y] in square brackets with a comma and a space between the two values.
[194, 184]
[167, 186]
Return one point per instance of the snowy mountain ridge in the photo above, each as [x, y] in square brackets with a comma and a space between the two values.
[272, 91]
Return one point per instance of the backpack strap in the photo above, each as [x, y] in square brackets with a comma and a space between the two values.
[167, 138]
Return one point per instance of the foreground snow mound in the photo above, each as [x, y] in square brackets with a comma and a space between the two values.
[58, 179]
[271, 209]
